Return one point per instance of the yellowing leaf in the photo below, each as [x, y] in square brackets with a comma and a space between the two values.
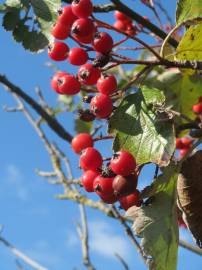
[188, 10]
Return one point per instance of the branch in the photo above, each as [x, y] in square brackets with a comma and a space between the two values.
[190, 247]
[83, 234]
[19, 254]
[52, 122]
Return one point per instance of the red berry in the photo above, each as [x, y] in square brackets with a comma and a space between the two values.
[107, 84]
[82, 8]
[109, 199]
[102, 106]
[103, 185]
[60, 31]
[81, 142]
[179, 144]
[197, 108]
[121, 16]
[90, 159]
[54, 80]
[120, 25]
[67, 17]
[187, 142]
[87, 180]
[85, 40]
[83, 28]
[124, 185]
[102, 42]
[58, 51]
[77, 56]
[123, 163]
[183, 151]
[69, 85]
[88, 74]
[130, 200]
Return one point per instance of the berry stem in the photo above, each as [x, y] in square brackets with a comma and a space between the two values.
[100, 138]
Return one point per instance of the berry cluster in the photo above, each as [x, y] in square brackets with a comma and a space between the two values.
[124, 23]
[117, 181]
[183, 144]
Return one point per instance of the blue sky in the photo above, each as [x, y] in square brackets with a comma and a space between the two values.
[33, 219]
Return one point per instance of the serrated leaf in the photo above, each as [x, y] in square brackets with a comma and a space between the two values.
[34, 41]
[11, 19]
[188, 10]
[82, 127]
[156, 223]
[20, 32]
[181, 90]
[141, 130]
[42, 9]
[190, 46]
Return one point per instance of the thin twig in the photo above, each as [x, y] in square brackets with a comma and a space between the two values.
[122, 261]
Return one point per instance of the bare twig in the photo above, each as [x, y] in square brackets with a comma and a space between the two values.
[190, 247]
[122, 261]
[20, 255]
[83, 234]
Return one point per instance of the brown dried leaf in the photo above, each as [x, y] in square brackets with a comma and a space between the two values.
[189, 188]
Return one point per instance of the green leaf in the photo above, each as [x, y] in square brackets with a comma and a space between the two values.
[43, 9]
[190, 46]
[156, 223]
[188, 10]
[11, 19]
[140, 129]
[181, 90]
[34, 41]
[13, 3]
[82, 127]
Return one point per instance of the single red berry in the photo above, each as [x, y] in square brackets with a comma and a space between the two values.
[82, 8]
[120, 25]
[87, 180]
[69, 85]
[55, 82]
[121, 16]
[77, 56]
[84, 40]
[103, 185]
[83, 28]
[187, 142]
[178, 143]
[107, 84]
[60, 31]
[58, 51]
[109, 199]
[123, 163]
[88, 74]
[67, 17]
[102, 106]
[197, 108]
[130, 200]
[183, 152]
[102, 42]
[124, 185]
[90, 159]
[81, 142]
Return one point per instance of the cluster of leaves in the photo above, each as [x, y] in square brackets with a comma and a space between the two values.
[30, 21]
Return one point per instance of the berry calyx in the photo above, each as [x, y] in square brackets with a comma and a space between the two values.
[87, 180]
[102, 106]
[60, 31]
[69, 85]
[77, 56]
[81, 142]
[103, 185]
[107, 84]
[102, 42]
[58, 51]
[123, 163]
[130, 200]
[55, 81]
[88, 74]
[86, 115]
[90, 159]
[82, 8]
[67, 17]
[124, 185]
